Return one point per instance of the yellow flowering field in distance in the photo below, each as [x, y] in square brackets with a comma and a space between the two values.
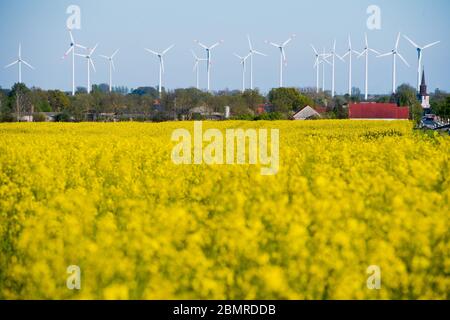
[108, 198]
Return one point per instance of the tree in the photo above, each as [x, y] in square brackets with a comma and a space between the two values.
[253, 99]
[21, 100]
[286, 100]
[58, 100]
[442, 107]
[407, 97]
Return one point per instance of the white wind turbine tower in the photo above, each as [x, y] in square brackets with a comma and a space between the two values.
[322, 62]
[208, 59]
[349, 54]
[420, 57]
[333, 55]
[73, 44]
[244, 67]
[366, 52]
[320, 59]
[90, 63]
[19, 62]
[112, 67]
[196, 67]
[282, 47]
[161, 65]
[252, 53]
[394, 53]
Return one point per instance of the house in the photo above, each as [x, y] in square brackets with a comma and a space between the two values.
[377, 111]
[205, 113]
[50, 116]
[306, 113]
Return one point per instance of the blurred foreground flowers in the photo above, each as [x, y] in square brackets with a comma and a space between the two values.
[107, 198]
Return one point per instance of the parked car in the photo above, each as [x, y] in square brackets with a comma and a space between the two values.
[428, 122]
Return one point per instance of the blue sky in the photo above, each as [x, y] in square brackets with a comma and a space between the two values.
[40, 25]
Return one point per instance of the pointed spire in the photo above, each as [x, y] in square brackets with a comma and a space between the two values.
[423, 86]
[423, 77]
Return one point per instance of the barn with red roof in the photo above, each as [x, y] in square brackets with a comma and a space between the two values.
[377, 111]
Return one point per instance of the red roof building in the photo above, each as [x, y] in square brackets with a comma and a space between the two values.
[378, 111]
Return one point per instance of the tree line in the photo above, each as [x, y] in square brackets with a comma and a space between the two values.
[145, 104]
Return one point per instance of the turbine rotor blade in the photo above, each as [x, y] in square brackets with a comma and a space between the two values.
[162, 65]
[431, 45]
[113, 65]
[374, 51]
[71, 36]
[11, 64]
[27, 64]
[250, 43]
[314, 49]
[201, 44]
[95, 48]
[168, 49]
[362, 53]
[152, 52]
[385, 55]
[92, 64]
[214, 45]
[114, 54]
[68, 51]
[403, 59]
[259, 53]
[398, 41]
[412, 42]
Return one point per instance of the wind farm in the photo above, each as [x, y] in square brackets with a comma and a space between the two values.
[321, 60]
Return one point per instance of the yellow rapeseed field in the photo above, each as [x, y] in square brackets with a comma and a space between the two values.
[108, 198]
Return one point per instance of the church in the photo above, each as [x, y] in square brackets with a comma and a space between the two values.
[423, 96]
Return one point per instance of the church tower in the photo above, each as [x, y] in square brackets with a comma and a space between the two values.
[423, 95]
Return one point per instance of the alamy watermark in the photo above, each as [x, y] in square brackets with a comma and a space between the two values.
[230, 148]
[374, 19]
[374, 279]
[74, 20]
[73, 281]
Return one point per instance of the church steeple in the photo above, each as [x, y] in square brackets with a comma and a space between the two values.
[423, 85]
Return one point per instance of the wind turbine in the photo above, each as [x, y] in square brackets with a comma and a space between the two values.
[161, 64]
[333, 63]
[252, 53]
[366, 52]
[420, 57]
[208, 59]
[111, 67]
[73, 44]
[349, 54]
[244, 67]
[282, 47]
[90, 63]
[394, 53]
[196, 67]
[320, 58]
[19, 62]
